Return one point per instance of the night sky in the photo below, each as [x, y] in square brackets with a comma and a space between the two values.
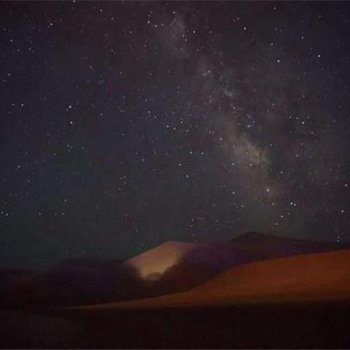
[126, 124]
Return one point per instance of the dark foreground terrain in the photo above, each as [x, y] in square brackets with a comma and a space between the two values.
[323, 325]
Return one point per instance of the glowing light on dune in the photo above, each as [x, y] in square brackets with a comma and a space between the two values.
[153, 263]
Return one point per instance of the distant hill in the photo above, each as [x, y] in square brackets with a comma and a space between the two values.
[274, 246]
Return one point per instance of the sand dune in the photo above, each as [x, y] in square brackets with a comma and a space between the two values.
[178, 266]
[171, 267]
[311, 277]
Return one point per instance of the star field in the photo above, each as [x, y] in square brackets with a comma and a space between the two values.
[126, 124]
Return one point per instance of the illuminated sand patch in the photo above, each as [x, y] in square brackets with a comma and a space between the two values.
[153, 263]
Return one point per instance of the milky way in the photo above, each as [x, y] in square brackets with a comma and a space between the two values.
[124, 125]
